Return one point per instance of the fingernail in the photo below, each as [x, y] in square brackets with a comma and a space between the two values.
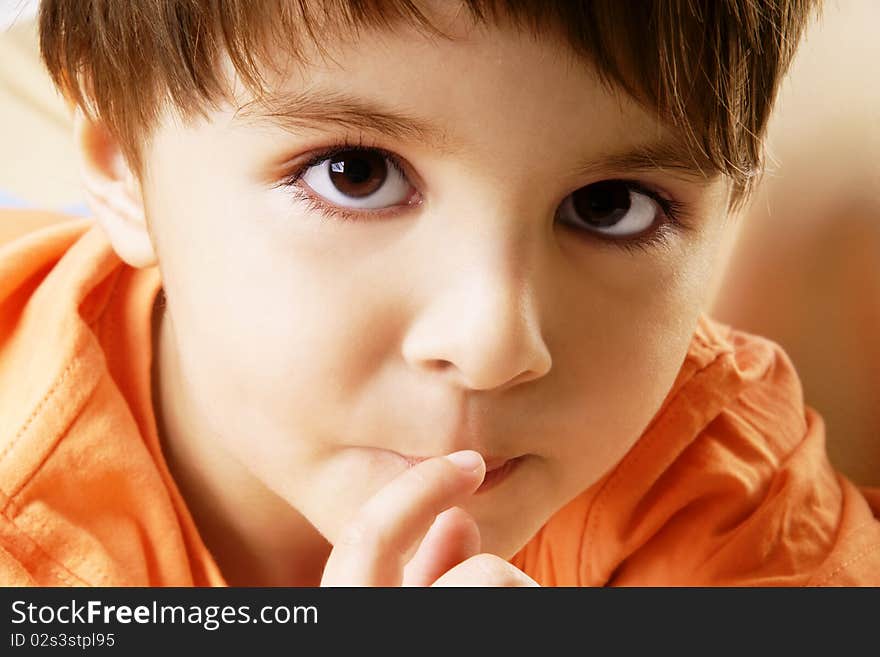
[468, 460]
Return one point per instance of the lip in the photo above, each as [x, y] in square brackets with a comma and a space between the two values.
[498, 474]
[492, 464]
[497, 469]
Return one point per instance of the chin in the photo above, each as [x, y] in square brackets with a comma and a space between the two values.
[504, 544]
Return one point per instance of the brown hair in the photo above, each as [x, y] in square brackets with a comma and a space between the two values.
[711, 68]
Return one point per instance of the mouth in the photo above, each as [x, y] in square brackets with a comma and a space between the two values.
[497, 469]
[496, 475]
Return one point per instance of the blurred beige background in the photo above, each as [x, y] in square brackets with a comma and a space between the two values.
[37, 151]
[804, 263]
[805, 269]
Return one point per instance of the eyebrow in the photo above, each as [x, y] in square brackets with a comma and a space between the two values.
[295, 111]
[306, 109]
[667, 154]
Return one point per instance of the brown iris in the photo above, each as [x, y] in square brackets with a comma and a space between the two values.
[358, 173]
[602, 204]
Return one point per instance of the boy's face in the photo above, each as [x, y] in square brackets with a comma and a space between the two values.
[476, 298]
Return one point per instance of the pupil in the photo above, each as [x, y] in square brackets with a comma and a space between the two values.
[358, 173]
[602, 204]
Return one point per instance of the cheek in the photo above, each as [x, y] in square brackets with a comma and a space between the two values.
[621, 344]
[275, 336]
[286, 344]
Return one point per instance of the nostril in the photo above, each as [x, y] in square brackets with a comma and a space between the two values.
[439, 365]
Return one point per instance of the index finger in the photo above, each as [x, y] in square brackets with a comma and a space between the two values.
[373, 549]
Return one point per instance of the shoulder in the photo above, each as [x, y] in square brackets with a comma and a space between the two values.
[750, 496]
[16, 222]
[82, 499]
[762, 397]
[47, 357]
[854, 559]
[730, 373]
[728, 485]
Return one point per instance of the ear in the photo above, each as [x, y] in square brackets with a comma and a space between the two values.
[113, 192]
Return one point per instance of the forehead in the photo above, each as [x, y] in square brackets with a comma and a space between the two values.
[472, 88]
[495, 68]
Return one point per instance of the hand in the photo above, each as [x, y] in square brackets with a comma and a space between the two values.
[410, 533]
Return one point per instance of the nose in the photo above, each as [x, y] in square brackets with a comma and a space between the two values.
[481, 328]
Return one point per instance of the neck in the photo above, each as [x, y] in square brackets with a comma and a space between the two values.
[256, 537]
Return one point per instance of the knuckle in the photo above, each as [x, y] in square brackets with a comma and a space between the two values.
[495, 571]
[367, 540]
[440, 470]
[488, 565]
[430, 478]
[419, 476]
[357, 534]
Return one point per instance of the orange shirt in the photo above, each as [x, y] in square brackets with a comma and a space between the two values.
[729, 484]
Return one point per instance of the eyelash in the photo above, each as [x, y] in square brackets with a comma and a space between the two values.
[674, 219]
[327, 211]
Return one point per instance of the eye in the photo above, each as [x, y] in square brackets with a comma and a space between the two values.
[358, 178]
[617, 208]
